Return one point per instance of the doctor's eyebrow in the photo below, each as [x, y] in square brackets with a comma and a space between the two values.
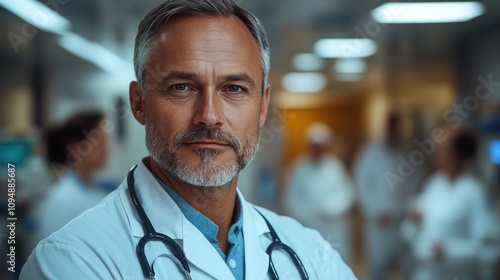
[178, 75]
[240, 77]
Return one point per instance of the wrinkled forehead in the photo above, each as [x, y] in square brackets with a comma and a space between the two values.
[205, 37]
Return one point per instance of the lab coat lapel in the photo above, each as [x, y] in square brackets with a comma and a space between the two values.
[203, 255]
[168, 219]
[254, 229]
[164, 214]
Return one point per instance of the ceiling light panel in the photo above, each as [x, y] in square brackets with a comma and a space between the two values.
[307, 62]
[345, 48]
[304, 82]
[38, 15]
[427, 12]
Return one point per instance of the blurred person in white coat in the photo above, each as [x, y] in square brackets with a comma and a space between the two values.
[75, 151]
[450, 220]
[320, 192]
[381, 199]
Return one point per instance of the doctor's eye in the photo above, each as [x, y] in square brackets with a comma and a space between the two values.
[235, 89]
[180, 87]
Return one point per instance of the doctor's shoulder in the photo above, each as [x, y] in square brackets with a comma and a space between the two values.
[91, 246]
[314, 251]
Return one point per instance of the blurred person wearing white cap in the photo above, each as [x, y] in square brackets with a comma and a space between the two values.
[320, 192]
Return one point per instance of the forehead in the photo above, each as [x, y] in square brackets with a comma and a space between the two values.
[209, 39]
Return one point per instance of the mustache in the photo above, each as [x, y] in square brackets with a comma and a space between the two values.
[207, 134]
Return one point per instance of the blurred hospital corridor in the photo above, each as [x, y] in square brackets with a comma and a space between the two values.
[383, 132]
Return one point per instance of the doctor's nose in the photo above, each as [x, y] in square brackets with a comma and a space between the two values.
[208, 109]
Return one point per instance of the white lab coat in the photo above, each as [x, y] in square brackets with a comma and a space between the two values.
[377, 197]
[67, 199]
[319, 196]
[101, 243]
[453, 214]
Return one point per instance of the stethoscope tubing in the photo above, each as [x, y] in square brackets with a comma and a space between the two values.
[153, 235]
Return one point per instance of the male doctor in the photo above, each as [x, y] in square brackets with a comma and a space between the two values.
[202, 95]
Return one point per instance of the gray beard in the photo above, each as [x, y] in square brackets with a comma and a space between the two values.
[208, 174]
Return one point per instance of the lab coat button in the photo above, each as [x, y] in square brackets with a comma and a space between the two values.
[232, 263]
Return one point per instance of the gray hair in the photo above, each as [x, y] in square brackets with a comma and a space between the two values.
[162, 13]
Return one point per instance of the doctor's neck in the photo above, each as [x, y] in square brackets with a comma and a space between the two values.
[215, 203]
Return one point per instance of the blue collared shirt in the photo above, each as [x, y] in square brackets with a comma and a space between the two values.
[235, 259]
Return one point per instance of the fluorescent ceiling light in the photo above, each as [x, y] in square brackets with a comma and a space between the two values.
[350, 65]
[345, 48]
[304, 82]
[427, 12]
[307, 62]
[94, 53]
[38, 15]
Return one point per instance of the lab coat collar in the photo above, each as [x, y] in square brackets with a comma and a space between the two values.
[158, 205]
[153, 197]
[254, 229]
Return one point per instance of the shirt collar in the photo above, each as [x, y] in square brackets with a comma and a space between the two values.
[236, 228]
[208, 228]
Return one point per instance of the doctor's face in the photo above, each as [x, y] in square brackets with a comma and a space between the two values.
[203, 105]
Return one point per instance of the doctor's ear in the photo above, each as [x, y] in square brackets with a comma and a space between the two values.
[136, 101]
[264, 105]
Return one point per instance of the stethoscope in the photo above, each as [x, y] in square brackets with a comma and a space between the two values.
[153, 235]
